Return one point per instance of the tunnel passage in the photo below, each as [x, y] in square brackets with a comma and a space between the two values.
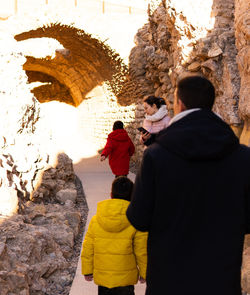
[84, 63]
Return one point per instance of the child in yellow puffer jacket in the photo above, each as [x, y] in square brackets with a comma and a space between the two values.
[114, 253]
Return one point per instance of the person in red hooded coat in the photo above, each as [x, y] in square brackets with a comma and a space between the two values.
[119, 148]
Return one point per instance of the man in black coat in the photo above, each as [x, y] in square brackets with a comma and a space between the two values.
[192, 194]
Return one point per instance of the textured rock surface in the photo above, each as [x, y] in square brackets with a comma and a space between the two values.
[39, 247]
[67, 194]
[184, 39]
[246, 266]
[54, 179]
[36, 249]
[242, 33]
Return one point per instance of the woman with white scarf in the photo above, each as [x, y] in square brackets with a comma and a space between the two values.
[156, 117]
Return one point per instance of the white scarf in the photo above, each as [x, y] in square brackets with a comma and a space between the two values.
[161, 113]
[181, 115]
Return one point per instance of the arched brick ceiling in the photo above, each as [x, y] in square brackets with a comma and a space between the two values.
[84, 63]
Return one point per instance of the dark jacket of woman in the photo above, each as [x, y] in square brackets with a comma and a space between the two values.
[119, 148]
[192, 194]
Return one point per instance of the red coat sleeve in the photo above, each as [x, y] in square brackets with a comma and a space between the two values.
[108, 148]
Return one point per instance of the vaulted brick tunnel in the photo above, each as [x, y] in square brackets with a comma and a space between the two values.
[84, 63]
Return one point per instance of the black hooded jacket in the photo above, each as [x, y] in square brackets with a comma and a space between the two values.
[192, 194]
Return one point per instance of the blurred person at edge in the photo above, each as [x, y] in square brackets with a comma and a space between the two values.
[192, 195]
[156, 118]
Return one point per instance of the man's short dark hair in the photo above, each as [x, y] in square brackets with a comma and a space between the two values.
[122, 188]
[117, 125]
[196, 92]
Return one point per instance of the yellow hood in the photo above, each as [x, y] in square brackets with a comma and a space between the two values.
[111, 215]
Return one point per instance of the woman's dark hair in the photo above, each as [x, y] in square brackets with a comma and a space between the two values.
[122, 188]
[117, 125]
[158, 101]
[196, 92]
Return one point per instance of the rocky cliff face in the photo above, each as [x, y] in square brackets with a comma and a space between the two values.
[242, 33]
[190, 37]
[36, 249]
[194, 37]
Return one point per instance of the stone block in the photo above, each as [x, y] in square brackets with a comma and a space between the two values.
[194, 67]
[215, 51]
[66, 194]
[210, 64]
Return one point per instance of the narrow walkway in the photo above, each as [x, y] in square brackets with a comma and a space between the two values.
[96, 179]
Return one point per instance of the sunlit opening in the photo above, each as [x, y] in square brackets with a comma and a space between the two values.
[40, 48]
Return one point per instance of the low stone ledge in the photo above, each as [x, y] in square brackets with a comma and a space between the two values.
[68, 194]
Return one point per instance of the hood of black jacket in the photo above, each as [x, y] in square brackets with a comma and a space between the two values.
[201, 135]
[119, 135]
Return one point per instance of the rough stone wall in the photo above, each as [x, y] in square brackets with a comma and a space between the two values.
[97, 116]
[184, 37]
[242, 33]
[37, 246]
[245, 282]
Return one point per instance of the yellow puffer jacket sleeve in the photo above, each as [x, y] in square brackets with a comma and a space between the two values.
[87, 254]
[140, 250]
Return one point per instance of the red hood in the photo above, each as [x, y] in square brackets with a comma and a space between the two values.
[119, 135]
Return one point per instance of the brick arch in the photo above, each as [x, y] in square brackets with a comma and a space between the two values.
[84, 63]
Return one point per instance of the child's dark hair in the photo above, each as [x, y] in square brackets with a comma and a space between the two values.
[122, 188]
[158, 101]
[117, 125]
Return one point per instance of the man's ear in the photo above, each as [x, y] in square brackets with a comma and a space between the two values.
[178, 105]
[111, 195]
[177, 108]
[182, 106]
